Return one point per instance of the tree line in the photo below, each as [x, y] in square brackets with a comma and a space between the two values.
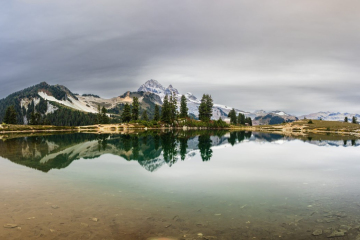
[168, 113]
[240, 119]
[353, 120]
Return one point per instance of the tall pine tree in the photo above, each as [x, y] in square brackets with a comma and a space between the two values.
[241, 119]
[183, 107]
[135, 109]
[104, 118]
[98, 115]
[10, 115]
[248, 121]
[126, 114]
[144, 116]
[354, 119]
[157, 113]
[205, 108]
[232, 116]
[166, 110]
[173, 107]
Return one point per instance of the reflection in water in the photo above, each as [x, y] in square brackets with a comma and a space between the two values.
[227, 185]
[205, 147]
[151, 149]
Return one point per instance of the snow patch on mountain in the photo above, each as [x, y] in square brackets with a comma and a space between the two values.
[154, 86]
[50, 108]
[330, 116]
[193, 103]
[69, 102]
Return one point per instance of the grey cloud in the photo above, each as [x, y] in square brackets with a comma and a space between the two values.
[298, 56]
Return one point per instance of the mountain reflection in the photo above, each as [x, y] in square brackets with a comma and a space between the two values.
[151, 149]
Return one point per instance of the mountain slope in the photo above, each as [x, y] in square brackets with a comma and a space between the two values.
[193, 102]
[59, 106]
[54, 102]
[270, 118]
[330, 116]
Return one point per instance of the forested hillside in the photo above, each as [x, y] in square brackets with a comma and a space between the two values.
[29, 106]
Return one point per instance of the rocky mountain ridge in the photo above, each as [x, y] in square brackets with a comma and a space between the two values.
[49, 99]
[330, 116]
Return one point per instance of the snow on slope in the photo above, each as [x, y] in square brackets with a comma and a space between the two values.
[155, 87]
[193, 102]
[330, 116]
[73, 103]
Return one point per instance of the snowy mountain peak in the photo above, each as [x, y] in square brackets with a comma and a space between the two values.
[172, 90]
[154, 86]
[190, 96]
[281, 113]
[151, 86]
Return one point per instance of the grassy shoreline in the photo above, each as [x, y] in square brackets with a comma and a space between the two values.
[301, 127]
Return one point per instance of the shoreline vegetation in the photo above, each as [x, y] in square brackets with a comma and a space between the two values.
[304, 127]
[296, 128]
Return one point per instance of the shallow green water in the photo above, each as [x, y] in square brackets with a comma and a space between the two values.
[180, 185]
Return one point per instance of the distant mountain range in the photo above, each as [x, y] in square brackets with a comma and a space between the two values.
[56, 101]
[330, 116]
[219, 110]
[193, 102]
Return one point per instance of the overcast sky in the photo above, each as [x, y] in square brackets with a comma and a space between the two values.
[297, 56]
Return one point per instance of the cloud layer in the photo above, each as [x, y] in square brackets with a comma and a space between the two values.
[301, 56]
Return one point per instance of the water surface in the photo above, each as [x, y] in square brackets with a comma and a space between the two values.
[180, 185]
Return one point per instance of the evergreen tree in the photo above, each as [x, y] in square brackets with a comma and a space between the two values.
[157, 113]
[205, 108]
[248, 120]
[10, 115]
[104, 118]
[126, 114]
[241, 119]
[144, 116]
[166, 111]
[183, 107]
[209, 106]
[35, 118]
[98, 115]
[232, 116]
[135, 109]
[202, 108]
[346, 119]
[32, 119]
[173, 108]
[354, 120]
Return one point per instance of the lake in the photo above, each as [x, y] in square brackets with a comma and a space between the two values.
[180, 185]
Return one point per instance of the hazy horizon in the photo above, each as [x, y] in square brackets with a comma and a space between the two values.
[298, 57]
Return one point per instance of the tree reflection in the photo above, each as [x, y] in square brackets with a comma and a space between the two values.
[151, 149]
[183, 147]
[205, 147]
[135, 146]
[232, 138]
[102, 142]
[169, 146]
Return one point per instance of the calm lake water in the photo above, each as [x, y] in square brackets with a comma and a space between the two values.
[179, 185]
